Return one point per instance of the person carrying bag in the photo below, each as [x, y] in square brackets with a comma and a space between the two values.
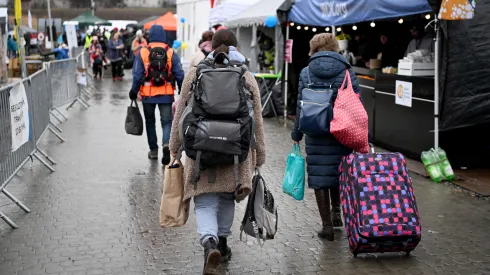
[321, 93]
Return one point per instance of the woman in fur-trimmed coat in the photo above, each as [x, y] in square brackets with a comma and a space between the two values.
[215, 202]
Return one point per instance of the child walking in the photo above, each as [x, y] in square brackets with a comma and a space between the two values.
[97, 60]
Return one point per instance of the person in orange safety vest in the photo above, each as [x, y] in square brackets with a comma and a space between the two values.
[157, 72]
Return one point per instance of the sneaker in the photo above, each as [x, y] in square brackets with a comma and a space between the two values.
[212, 258]
[224, 249]
[166, 155]
[153, 154]
[119, 78]
[113, 79]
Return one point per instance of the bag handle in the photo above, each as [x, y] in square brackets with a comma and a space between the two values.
[225, 55]
[347, 80]
[296, 149]
[135, 103]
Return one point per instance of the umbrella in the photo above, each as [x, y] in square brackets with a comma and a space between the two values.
[87, 19]
[167, 21]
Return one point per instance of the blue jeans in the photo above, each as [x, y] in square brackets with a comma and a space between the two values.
[214, 214]
[150, 120]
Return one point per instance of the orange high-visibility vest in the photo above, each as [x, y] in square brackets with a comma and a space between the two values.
[148, 89]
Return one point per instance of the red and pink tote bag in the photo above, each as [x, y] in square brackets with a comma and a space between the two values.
[350, 120]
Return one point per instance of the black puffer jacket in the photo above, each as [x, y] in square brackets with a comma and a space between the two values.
[323, 153]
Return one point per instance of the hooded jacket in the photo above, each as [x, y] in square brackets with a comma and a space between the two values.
[324, 153]
[158, 35]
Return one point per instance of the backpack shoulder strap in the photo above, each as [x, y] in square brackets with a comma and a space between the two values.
[170, 55]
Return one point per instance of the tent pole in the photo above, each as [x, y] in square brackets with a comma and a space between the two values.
[286, 73]
[51, 37]
[436, 83]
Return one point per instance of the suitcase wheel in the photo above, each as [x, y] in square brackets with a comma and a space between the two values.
[355, 255]
[408, 253]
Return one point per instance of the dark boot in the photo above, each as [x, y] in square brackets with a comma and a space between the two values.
[166, 155]
[323, 201]
[212, 258]
[224, 249]
[336, 210]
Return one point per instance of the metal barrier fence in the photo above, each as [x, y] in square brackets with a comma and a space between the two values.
[26, 108]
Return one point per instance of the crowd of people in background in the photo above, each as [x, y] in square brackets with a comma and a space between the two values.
[116, 47]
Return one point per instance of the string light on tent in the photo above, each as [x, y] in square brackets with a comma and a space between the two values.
[313, 30]
[339, 29]
[291, 24]
[427, 16]
[306, 28]
[327, 29]
[400, 21]
[373, 24]
[298, 28]
[354, 27]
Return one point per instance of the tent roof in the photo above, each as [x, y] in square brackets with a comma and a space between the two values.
[87, 19]
[146, 20]
[336, 13]
[225, 11]
[256, 14]
[167, 21]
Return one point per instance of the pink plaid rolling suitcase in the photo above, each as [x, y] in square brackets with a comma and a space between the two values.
[378, 203]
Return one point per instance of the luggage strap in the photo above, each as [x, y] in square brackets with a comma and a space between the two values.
[235, 170]
[197, 170]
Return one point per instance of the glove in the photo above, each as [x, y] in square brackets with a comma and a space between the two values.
[133, 96]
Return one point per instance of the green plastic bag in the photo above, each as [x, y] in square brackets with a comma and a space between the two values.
[294, 177]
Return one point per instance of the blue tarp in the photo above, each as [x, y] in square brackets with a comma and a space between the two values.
[342, 12]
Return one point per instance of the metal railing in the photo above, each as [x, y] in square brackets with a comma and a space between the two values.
[20, 134]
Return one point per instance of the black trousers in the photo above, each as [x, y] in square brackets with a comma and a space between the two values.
[97, 69]
[116, 68]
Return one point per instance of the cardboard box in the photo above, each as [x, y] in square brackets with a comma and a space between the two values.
[416, 69]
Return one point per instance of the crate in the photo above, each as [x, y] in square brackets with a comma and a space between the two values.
[416, 69]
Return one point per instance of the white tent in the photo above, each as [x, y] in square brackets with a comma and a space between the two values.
[226, 11]
[247, 23]
[256, 14]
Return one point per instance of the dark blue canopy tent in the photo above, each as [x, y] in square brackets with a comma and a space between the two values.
[342, 12]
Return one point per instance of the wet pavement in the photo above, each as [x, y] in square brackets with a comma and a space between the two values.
[98, 214]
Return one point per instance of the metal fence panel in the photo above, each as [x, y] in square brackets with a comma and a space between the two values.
[40, 86]
[10, 161]
[63, 79]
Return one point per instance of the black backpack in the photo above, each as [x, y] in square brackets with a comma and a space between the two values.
[159, 72]
[217, 127]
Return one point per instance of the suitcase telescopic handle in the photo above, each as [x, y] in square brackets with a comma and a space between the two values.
[371, 146]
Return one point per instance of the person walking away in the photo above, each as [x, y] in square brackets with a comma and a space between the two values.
[205, 48]
[138, 43]
[87, 41]
[324, 153]
[156, 73]
[114, 54]
[97, 59]
[215, 202]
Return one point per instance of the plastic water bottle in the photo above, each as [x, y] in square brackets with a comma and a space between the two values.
[429, 159]
[444, 164]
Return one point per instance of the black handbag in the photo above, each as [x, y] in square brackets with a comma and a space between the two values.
[134, 121]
